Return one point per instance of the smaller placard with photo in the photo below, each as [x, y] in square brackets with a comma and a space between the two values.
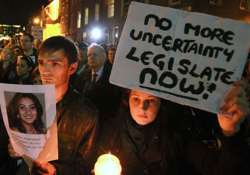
[29, 115]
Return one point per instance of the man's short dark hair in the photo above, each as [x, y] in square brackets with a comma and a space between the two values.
[31, 37]
[56, 43]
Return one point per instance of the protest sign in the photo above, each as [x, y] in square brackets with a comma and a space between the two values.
[29, 115]
[185, 57]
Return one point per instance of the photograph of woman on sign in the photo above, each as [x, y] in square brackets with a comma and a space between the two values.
[25, 113]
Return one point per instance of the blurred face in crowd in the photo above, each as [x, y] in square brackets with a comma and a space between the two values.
[17, 51]
[7, 56]
[22, 68]
[96, 58]
[27, 111]
[143, 107]
[26, 42]
[13, 42]
[111, 55]
[37, 43]
[55, 69]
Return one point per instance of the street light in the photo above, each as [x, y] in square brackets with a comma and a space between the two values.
[96, 34]
[36, 20]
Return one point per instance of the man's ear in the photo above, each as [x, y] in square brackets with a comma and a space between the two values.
[73, 68]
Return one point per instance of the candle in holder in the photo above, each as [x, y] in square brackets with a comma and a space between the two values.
[107, 164]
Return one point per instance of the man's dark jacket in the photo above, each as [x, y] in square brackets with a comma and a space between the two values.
[102, 93]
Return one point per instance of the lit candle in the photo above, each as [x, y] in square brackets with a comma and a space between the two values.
[107, 164]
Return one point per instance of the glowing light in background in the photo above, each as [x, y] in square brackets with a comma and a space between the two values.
[52, 10]
[96, 34]
[36, 20]
[51, 30]
[107, 164]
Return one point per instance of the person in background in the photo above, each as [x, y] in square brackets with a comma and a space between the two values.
[111, 54]
[37, 43]
[24, 69]
[5, 42]
[26, 41]
[94, 82]
[17, 51]
[13, 42]
[82, 48]
[7, 66]
[82, 57]
[149, 138]
[25, 114]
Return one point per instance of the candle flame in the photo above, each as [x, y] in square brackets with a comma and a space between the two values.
[107, 164]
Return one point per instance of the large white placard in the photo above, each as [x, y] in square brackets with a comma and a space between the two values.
[185, 57]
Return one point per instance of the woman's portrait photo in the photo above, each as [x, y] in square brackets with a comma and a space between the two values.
[26, 114]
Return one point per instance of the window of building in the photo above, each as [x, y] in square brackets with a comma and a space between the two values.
[111, 8]
[215, 2]
[125, 5]
[245, 5]
[86, 16]
[84, 35]
[115, 35]
[97, 11]
[79, 18]
[174, 2]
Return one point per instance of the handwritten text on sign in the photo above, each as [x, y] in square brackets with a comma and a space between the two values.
[185, 57]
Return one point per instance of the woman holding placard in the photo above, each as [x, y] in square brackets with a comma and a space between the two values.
[148, 138]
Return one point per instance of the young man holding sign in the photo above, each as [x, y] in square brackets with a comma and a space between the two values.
[76, 116]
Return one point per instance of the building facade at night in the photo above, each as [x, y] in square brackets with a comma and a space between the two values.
[102, 20]
[105, 18]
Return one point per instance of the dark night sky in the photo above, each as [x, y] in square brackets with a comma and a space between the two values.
[19, 11]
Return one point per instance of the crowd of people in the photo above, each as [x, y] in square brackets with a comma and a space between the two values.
[18, 59]
[149, 135]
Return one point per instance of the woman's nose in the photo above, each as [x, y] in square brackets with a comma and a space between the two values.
[27, 111]
[45, 68]
[145, 105]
